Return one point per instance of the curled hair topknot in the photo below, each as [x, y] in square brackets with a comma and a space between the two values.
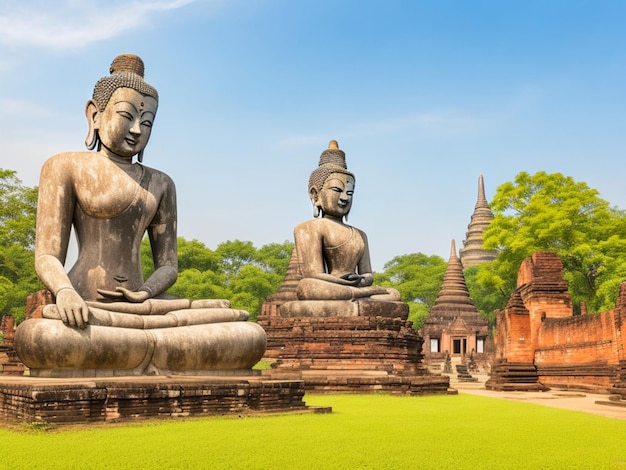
[127, 71]
[332, 160]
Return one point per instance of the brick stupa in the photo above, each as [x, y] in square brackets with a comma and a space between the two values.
[454, 325]
[472, 252]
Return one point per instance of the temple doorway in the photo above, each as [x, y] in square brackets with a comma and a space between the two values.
[459, 346]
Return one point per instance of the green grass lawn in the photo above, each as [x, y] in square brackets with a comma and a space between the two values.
[364, 431]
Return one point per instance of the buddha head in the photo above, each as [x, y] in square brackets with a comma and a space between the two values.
[331, 185]
[122, 109]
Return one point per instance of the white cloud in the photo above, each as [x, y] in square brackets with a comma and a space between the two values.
[75, 24]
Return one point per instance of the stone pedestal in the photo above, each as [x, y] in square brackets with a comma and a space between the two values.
[120, 399]
[350, 354]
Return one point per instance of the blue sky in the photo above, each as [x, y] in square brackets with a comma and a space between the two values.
[423, 96]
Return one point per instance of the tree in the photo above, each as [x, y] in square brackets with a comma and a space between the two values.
[18, 208]
[251, 286]
[234, 255]
[236, 271]
[418, 278]
[553, 212]
[487, 296]
[275, 257]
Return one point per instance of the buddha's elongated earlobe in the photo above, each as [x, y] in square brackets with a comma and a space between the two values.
[93, 140]
[345, 217]
[91, 112]
[140, 157]
[313, 197]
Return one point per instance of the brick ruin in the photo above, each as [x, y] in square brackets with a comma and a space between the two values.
[454, 327]
[340, 354]
[541, 344]
[10, 364]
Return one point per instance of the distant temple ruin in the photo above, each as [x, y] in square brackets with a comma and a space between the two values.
[454, 326]
[541, 344]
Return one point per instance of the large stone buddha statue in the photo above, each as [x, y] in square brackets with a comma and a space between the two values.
[105, 319]
[332, 257]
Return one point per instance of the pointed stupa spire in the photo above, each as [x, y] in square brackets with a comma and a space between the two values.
[482, 200]
[472, 252]
[452, 249]
[453, 300]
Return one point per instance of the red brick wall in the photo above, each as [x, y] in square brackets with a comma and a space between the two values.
[581, 339]
[538, 327]
[518, 338]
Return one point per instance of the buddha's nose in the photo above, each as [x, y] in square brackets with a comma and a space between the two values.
[136, 127]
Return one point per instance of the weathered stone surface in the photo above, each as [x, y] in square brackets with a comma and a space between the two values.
[356, 354]
[102, 317]
[81, 401]
[327, 323]
[330, 269]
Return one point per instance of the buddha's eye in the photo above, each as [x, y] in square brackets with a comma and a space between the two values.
[146, 123]
[336, 189]
[349, 193]
[126, 114]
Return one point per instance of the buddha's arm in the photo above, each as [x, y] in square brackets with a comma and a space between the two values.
[365, 265]
[55, 207]
[162, 234]
[309, 243]
[54, 221]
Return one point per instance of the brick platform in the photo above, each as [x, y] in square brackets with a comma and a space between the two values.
[350, 355]
[119, 399]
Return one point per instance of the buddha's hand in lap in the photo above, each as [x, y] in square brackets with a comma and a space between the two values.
[358, 280]
[123, 294]
[366, 280]
[72, 308]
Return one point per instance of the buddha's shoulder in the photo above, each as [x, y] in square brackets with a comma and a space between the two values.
[323, 224]
[310, 224]
[74, 158]
[158, 175]
[67, 162]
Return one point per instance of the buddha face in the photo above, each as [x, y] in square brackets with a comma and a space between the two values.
[335, 197]
[125, 124]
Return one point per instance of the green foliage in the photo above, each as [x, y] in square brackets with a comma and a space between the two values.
[18, 206]
[236, 271]
[418, 278]
[485, 292]
[555, 213]
[417, 314]
[364, 431]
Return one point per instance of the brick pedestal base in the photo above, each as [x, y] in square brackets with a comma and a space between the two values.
[350, 354]
[80, 401]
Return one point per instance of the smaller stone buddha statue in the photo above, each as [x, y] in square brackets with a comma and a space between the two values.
[106, 319]
[333, 257]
